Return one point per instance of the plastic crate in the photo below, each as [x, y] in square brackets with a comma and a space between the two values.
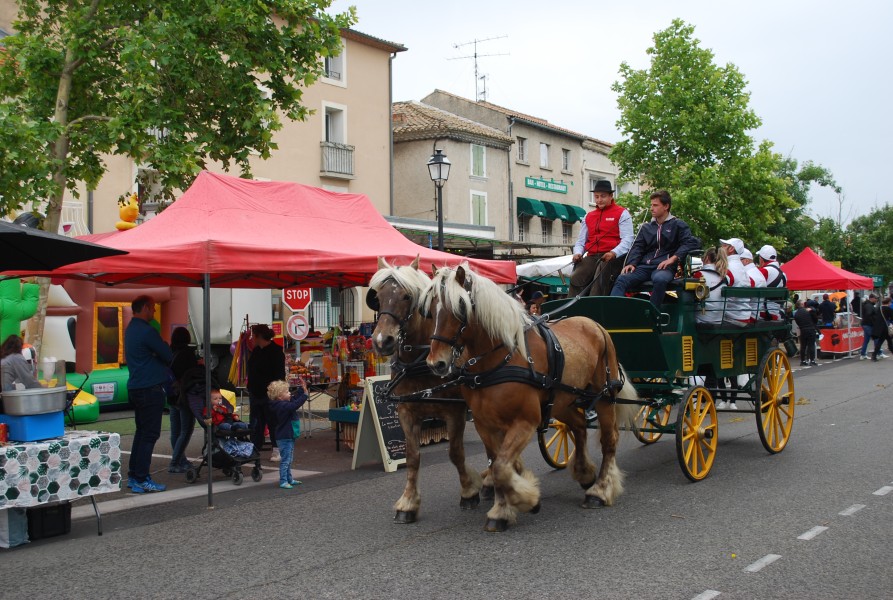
[32, 428]
[49, 520]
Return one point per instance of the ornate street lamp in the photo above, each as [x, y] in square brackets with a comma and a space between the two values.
[439, 169]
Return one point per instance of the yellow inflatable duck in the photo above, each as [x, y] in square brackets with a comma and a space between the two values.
[128, 210]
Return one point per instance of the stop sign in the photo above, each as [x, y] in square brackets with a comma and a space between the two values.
[296, 298]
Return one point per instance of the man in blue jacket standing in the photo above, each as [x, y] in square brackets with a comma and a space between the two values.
[661, 245]
[148, 359]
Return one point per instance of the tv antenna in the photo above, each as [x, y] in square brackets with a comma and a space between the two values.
[480, 92]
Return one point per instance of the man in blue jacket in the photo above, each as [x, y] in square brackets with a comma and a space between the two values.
[148, 359]
[661, 245]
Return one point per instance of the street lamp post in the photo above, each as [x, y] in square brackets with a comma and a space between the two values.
[439, 170]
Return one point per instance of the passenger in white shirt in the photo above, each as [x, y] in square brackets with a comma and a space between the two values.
[757, 280]
[738, 310]
[715, 263]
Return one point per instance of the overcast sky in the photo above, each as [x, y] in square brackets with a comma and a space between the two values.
[820, 73]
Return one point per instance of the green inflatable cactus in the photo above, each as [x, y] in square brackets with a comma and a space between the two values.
[18, 302]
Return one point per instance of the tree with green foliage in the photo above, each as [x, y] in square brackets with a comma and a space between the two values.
[685, 124]
[171, 84]
[871, 238]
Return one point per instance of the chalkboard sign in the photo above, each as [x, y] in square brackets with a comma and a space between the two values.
[379, 433]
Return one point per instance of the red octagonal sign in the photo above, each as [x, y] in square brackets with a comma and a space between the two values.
[296, 298]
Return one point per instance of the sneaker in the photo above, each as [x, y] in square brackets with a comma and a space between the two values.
[722, 405]
[863, 357]
[135, 487]
[874, 359]
[815, 364]
[285, 486]
[733, 406]
[178, 469]
[803, 364]
[153, 486]
[882, 355]
[275, 456]
[294, 482]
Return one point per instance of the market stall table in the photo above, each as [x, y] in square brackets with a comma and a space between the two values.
[80, 464]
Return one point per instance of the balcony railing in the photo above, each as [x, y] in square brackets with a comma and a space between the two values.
[337, 159]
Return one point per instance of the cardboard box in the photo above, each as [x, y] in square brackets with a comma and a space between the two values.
[31, 428]
[49, 520]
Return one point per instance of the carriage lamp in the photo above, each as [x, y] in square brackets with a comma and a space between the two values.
[439, 169]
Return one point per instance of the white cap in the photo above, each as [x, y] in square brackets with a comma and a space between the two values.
[746, 254]
[735, 243]
[767, 252]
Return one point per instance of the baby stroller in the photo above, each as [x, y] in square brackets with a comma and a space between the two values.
[227, 456]
[230, 448]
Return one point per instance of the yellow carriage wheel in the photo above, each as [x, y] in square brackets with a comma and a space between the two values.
[696, 433]
[775, 400]
[557, 444]
[659, 416]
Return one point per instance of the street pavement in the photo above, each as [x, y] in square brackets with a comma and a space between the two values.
[811, 522]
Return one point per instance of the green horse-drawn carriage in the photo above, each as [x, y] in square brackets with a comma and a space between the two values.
[670, 357]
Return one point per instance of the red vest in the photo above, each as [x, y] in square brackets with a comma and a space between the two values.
[603, 228]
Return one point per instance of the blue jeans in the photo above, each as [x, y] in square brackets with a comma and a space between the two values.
[659, 278]
[148, 408]
[866, 335]
[286, 450]
[185, 420]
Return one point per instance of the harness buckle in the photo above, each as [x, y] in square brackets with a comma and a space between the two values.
[471, 361]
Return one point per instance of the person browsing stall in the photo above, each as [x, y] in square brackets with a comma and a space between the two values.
[148, 358]
[827, 311]
[266, 364]
[660, 247]
[606, 235]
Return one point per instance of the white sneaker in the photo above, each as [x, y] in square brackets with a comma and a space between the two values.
[722, 405]
[275, 457]
[882, 355]
[733, 406]
[863, 357]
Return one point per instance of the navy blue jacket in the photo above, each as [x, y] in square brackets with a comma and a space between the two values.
[284, 412]
[656, 243]
[147, 355]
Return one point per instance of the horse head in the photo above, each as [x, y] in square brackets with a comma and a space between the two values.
[469, 311]
[394, 293]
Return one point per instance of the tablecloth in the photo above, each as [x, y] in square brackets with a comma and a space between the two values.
[79, 464]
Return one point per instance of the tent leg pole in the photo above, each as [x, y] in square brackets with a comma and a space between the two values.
[206, 352]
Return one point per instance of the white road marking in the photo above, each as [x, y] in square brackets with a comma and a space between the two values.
[851, 510]
[763, 562]
[812, 533]
[884, 490]
[706, 595]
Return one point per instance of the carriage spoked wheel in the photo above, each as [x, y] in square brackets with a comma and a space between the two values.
[775, 400]
[557, 444]
[696, 433]
[659, 416]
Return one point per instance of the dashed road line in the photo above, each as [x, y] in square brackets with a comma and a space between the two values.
[851, 510]
[706, 595]
[763, 562]
[812, 533]
[883, 491]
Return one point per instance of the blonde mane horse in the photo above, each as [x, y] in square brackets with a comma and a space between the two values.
[503, 362]
[400, 331]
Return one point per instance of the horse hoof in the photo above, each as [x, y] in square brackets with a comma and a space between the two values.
[487, 493]
[593, 502]
[405, 517]
[536, 509]
[586, 486]
[496, 525]
[469, 503]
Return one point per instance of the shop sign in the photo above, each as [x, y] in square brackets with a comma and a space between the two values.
[549, 185]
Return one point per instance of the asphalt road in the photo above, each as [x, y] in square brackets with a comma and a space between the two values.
[815, 521]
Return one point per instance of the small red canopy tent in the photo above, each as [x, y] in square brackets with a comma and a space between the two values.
[809, 271]
[263, 234]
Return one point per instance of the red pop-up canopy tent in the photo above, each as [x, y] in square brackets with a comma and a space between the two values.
[263, 234]
[809, 271]
[237, 233]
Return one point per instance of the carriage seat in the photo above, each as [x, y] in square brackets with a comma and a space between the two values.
[778, 295]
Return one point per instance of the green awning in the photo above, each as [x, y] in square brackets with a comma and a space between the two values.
[556, 210]
[531, 207]
[578, 213]
[556, 286]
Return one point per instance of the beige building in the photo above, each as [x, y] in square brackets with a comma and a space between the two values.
[550, 173]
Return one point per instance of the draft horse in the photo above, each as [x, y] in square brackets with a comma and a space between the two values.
[394, 293]
[516, 373]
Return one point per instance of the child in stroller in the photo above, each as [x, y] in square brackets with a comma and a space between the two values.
[230, 443]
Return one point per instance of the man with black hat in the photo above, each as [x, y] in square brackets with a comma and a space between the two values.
[606, 235]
